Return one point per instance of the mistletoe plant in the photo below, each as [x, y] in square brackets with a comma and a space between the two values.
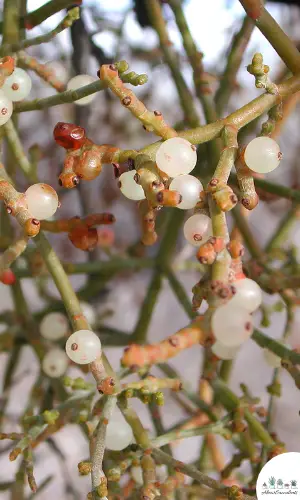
[189, 167]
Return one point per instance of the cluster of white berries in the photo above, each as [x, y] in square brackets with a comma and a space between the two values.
[53, 327]
[262, 155]
[82, 347]
[81, 81]
[232, 323]
[16, 87]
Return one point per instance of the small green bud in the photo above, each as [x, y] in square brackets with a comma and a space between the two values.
[79, 383]
[50, 417]
[84, 468]
[159, 398]
[122, 66]
[67, 381]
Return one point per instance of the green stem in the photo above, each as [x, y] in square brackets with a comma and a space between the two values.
[271, 187]
[280, 350]
[250, 242]
[186, 99]
[9, 48]
[180, 294]
[232, 402]
[11, 12]
[63, 284]
[202, 88]
[62, 98]
[282, 44]
[162, 261]
[280, 234]
[234, 59]
[214, 428]
[104, 268]
[16, 148]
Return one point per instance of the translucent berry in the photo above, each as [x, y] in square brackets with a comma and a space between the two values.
[55, 363]
[225, 351]
[262, 155]
[6, 108]
[248, 295]
[231, 325]
[189, 187]
[137, 474]
[54, 326]
[18, 85]
[59, 70]
[129, 187]
[118, 433]
[81, 81]
[197, 229]
[89, 312]
[176, 156]
[42, 201]
[83, 347]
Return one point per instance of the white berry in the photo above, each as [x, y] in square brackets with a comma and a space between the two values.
[6, 108]
[58, 70]
[83, 347]
[262, 155]
[189, 187]
[231, 325]
[42, 201]
[197, 229]
[248, 295]
[54, 326]
[224, 351]
[129, 187]
[18, 85]
[81, 81]
[118, 432]
[137, 474]
[88, 312]
[55, 363]
[176, 156]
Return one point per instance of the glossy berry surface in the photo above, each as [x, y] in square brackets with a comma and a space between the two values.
[55, 363]
[262, 155]
[129, 187]
[18, 85]
[176, 156]
[83, 347]
[6, 108]
[42, 201]
[231, 325]
[81, 81]
[54, 326]
[197, 229]
[189, 187]
[119, 434]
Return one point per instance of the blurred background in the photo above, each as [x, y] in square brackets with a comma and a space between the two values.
[110, 31]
